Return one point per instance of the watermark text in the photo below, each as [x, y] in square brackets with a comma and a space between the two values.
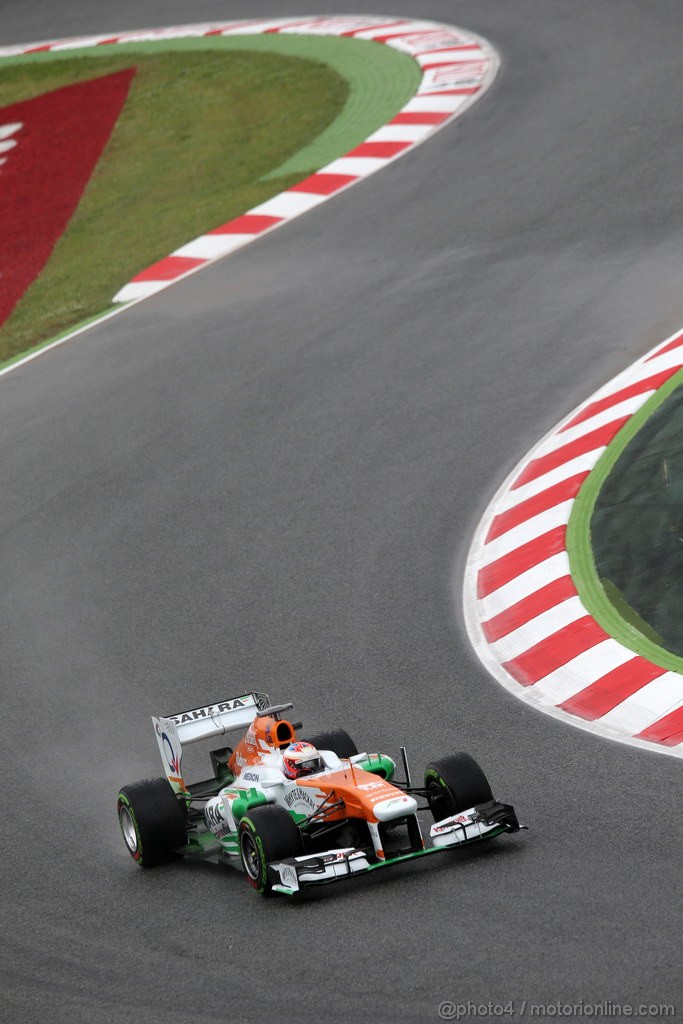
[605, 1009]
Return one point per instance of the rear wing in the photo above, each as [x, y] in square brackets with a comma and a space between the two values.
[175, 731]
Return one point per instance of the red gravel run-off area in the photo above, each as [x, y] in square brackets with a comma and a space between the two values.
[58, 138]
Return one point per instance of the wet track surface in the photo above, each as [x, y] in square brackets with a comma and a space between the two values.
[268, 477]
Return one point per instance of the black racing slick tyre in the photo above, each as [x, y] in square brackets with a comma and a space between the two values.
[336, 740]
[152, 821]
[267, 833]
[455, 783]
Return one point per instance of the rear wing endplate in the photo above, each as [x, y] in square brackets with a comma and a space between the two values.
[175, 731]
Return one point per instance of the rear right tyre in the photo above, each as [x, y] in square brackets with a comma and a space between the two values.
[336, 740]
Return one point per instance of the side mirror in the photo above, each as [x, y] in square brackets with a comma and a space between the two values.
[275, 710]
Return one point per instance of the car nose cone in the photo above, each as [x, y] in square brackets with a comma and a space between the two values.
[395, 807]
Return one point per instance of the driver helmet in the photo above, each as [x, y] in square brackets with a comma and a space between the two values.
[301, 758]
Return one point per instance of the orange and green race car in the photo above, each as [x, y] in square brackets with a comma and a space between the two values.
[296, 813]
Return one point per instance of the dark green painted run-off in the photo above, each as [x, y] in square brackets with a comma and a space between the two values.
[625, 534]
[637, 524]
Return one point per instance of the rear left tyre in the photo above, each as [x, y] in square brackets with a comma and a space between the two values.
[152, 821]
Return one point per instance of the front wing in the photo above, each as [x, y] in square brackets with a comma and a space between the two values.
[486, 821]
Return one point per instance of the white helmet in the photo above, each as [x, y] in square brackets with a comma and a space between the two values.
[301, 758]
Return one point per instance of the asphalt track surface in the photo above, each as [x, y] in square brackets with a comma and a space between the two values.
[268, 476]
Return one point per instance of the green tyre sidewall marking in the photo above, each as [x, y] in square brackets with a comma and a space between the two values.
[432, 776]
[580, 551]
[260, 883]
[123, 801]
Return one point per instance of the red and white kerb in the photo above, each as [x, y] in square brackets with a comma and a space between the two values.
[524, 615]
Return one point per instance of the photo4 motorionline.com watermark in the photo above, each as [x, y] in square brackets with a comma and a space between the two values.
[606, 1009]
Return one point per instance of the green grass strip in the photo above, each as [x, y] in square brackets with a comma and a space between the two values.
[617, 618]
[333, 94]
[381, 80]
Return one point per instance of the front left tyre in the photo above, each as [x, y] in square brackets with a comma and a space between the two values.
[152, 821]
[455, 783]
[267, 833]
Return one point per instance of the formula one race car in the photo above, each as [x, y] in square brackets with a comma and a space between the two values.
[298, 813]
